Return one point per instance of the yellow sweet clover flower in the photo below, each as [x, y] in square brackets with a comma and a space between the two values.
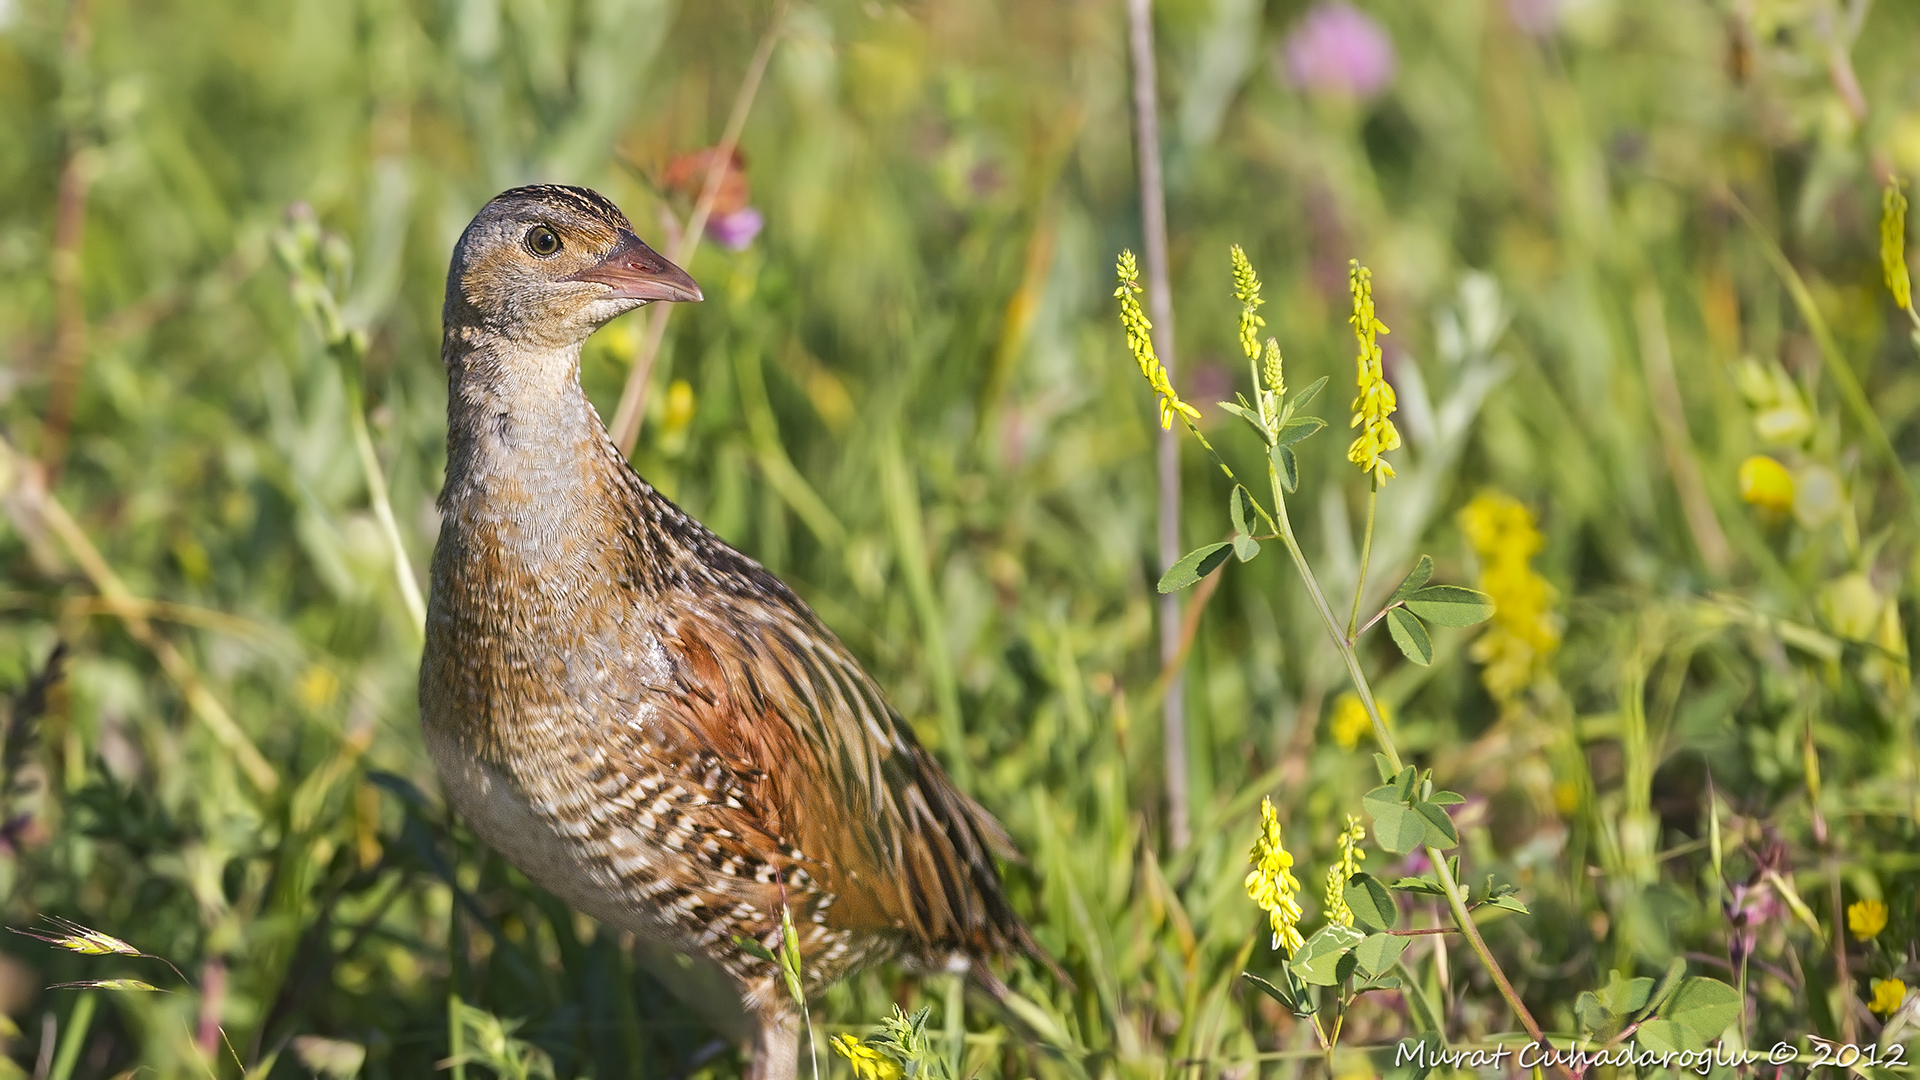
[1343, 870]
[1140, 342]
[867, 1063]
[1888, 994]
[1271, 883]
[1276, 381]
[1522, 637]
[1893, 245]
[317, 686]
[1766, 483]
[1350, 723]
[1866, 918]
[1375, 402]
[1246, 289]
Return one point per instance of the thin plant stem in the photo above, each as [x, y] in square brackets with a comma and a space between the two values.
[69, 226]
[382, 503]
[1456, 898]
[75, 1037]
[1366, 553]
[625, 428]
[1153, 226]
[456, 1039]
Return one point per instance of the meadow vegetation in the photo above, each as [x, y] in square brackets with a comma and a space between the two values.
[1651, 395]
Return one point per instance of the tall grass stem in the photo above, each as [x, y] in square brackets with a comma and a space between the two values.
[1153, 224]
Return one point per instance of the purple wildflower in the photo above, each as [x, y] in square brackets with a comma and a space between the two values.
[1537, 18]
[734, 231]
[1338, 49]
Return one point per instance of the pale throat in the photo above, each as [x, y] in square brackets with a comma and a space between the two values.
[522, 438]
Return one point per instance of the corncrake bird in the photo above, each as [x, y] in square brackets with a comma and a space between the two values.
[642, 719]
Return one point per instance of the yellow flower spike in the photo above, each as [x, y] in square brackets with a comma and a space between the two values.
[1140, 343]
[867, 1063]
[1343, 870]
[1893, 245]
[1271, 883]
[1246, 289]
[1276, 382]
[1766, 483]
[1516, 647]
[1866, 918]
[1888, 994]
[1376, 402]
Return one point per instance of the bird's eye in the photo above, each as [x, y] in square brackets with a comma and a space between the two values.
[543, 242]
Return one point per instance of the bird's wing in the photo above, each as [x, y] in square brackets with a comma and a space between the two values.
[837, 774]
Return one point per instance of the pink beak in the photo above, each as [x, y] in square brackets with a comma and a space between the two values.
[635, 271]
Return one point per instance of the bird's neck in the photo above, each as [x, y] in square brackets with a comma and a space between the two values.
[524, 445]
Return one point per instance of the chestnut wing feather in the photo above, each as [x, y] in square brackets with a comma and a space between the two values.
[839, 775]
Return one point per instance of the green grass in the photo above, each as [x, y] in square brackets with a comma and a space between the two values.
[912, 400]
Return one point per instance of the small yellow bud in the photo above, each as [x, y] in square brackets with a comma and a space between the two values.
[1893, 245]
[1765, 483]
[1888, 994]
[1866, 918]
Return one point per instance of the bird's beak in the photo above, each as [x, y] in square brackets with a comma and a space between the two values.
[635, 271]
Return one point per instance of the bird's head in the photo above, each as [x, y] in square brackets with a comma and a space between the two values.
[547, 265]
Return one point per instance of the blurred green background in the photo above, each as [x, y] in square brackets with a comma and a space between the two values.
[908, 395]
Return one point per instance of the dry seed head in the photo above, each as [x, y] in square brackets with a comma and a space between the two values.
[110, 984]
[79, 939]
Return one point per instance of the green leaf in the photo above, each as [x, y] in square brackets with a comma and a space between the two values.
[1676, 971]
[1395, 826]
[1288, 468]
[1593, 1014]
[1305, 397]
[1237, 507]
[1372, 905]
[1299, 428]
[1509, 903]
[1411, 635]
[1194, 565]
[1287, 992]
[1384, 767]
[1603, 1011]
[1403, 781]
[1439, 831]
[1416, 577]
[1420, 885]
[1378, 982]
[1695, 1014]
[1318, 961]
[1245, 547]
[1451, 605]
[1246, 412]
[1446, 798]
[1379, 952]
